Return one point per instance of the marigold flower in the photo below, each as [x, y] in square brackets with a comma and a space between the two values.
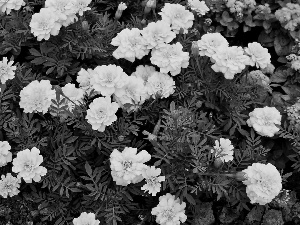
[198, 6]
[160, 85]
[27, 165]
[210, 43]
[74, 94]
[263, 183]
[223, 150]
[259, 56]
[84, 79]
[153, 180]
[9, 185]
[7, 70]
[8, 5]
[144, 72]
[169, 211]
[5, 154]
[86, 219]
[79, 6]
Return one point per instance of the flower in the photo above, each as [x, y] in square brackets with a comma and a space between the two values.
[151, 175]
[74, 94]
[27, 165]
[223, 150]
[269, 69]
[257, 77]
[177, 16]
[133, 93]
[84, 79]
[161, 85]
[169, 211]
[37, 96]
[79, 6]
[105, 79]
[86, 219]
[44, 24]
[210, 43]
[7, 70]
[198, 6]
[263, 120]
[5, 154]
[157, 34]
[170, 58]
[8, 5]
[263, 183]
[127, 166]
[122, 6]
[229, 61]
[144, 72]
[259, 56]
[9, 185]
[101, 113]
[130, 44]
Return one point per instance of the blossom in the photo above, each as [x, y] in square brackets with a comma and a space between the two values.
[27, 165]
[5, 154]
[84, 79]
[133, 93]
[151, 175]
[143, 72]
[130, 44]
[229, 61]
[74, 94]
[86, 219]
[263, 120]
[223, 150]
[101, 113]
[106, 78]
[7, 70]
[170, 58]
[238, 6]
[177, 16]
[127, 166]
[259, 56]
[210, 43]
[198, 6]
[257, 77]
[263, 183]
[9, 185]
[122, 6]
[157, 34]
[8, 5]
[37, 96]
[169, 211]
[79, 6]
[161, 85]
[44, 24]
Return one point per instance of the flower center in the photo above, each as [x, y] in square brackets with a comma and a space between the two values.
[152, 181]
[126, 164]
[8, 186]
[169, 214]
[109, 78]
[43, 25]
[28, 167]
[3, 70]
[101, 114]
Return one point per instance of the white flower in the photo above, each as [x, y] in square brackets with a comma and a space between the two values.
[127, 166]
[161, 85]
[101, 113]
[169, 211]
[27, 165]
[263, 183]
[151, 175]
[86, 219]
[198, 6]
[259, 56]
[263, 120]
[210, 43]
[223, 150]
[177, 16]
[144, 72]
[74, 94]
[84, 79]
[37, 96]
[230, 61]
[44, 24]
[9, 185]
[170, 58]
[133, 93]
[8, 5]
[7, 70]
[105, 79]
[122, 6]
[61, 8]
[79, 6]
[130, 44]
[5, 154]
[157, 34]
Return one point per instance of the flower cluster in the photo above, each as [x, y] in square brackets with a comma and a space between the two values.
[127, 166]
[57, 13]
[7, 70]
[264, 120]
[8, 5]
[86, 218]
[27, 165]
[294, 61]
[37, 96]
[169, 210]
[238, 6]
[198, 6]
[5, 154]
[289, 16]
[223, 150]
[263, 183]
[9, 185]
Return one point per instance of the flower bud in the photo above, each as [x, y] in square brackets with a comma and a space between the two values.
[195, 49]
[151, 4]
[118, 14]
[208, 21]
[85, 25]
[218, 162]
[144, 21]
[241, 176]
[146, 10]
[181, 31]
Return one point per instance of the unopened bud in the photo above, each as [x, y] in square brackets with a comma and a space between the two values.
[208, 22]
[121, 138]
[218, 162]
[195, 49]
[181, 31]
[118, 14]
[241, 176]
[121, 7]
[85, 25]
[151, 4]
[147, 10]
[143, 22]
